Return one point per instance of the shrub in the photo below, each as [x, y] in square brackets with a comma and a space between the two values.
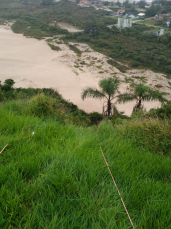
[40, 105]
[95, 117]
[135, 64]
[163, 112]
[7, 86]
[152, 134]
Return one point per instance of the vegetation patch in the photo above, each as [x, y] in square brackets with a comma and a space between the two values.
[54, 47]
[75, 49]
[143, 79]
[122, 68]
[151, 134]
[158, 86]
[49, 160]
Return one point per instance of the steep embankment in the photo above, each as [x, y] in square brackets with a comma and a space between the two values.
[57, 178]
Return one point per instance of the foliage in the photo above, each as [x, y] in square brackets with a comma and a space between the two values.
[152, 11]
[140, 93]
[95, 117]
[75, 49]
[59, 173]
[40, 105]
[45, 103]
[36, 29]
[109, 88]
[7, 85]
[118, 3]
[151, 134]
[54, 47]
[135, 46]
[47, 2]
[141, 4]
[127, 4]
[37, 20]
[163, 112]
[122, 68]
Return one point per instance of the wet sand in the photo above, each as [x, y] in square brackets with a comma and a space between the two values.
[32, 63]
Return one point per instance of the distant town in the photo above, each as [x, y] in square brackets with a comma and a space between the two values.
[156, 14]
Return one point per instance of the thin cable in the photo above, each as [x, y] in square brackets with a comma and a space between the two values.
[3, 148]
[116, 187]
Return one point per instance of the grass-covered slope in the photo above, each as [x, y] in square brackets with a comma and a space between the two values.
[57, 178]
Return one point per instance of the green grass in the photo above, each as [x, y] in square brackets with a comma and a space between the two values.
[57, 178]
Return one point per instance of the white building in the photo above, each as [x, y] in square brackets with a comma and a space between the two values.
[168, 23]
[141, 15]
[124, 22]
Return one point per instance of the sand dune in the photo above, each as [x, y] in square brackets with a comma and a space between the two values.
[32, 63]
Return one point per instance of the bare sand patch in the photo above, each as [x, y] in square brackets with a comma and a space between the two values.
[70, 28]
[32, 63]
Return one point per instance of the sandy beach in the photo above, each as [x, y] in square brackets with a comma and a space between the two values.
[32, 63]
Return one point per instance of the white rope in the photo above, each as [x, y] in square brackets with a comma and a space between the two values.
[3, 148]
[116, 187]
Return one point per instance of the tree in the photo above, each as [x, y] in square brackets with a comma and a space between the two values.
[140, 92]
[127, 4]
[118, 3]
[152, 11]
[106, 3]
[47, 2]
[141, 4]
[7, 85]
[109, 88]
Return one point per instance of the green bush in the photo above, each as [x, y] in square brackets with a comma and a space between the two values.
[40, 105]
[152, 134]
[135, 64]
[163, 112]
[95, 117]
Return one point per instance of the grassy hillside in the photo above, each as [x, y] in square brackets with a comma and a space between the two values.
[57, 178]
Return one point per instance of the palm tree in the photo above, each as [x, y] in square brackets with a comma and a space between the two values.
[140, 92]
[109, 89]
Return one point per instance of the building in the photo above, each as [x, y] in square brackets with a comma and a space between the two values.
[168, 23]
[159, 33]
[120, 12]
[133, 16]
[141, 15]
[124, 22]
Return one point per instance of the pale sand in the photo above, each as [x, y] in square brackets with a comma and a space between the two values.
[70, 28]
[31, 63]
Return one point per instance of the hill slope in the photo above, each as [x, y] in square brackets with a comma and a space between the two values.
[57, 178]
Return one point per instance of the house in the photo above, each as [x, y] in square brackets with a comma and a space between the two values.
[141, 15]
[124, 22]
[168, 23]
[115, 13]
[147, 7]
[162, 17]
[120, 12]
[131, 15]
[159, 33]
